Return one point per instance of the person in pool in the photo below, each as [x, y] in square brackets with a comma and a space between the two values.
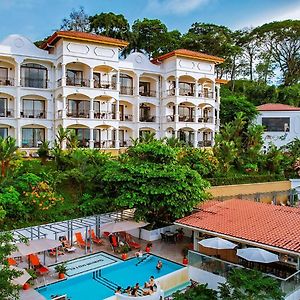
[149, 291]
[118, 290]
[134, 292]
[128, 290]
[159, 265]
[151, 282]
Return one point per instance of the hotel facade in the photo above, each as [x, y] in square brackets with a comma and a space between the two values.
[78, 81]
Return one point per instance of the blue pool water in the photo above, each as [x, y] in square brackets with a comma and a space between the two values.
[98, 285]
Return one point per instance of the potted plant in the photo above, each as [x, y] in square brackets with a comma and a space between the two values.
[30, 282]
[185, 251]
[148, 247]
[61, 269]
[124, 250]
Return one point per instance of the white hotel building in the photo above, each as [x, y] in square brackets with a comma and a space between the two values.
[78, 81]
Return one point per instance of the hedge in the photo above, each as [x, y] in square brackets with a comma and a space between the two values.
[242, 179]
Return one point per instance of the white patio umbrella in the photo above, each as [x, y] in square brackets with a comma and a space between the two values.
[122, 226]
[257, 255]
[21, 280]
[217, 243]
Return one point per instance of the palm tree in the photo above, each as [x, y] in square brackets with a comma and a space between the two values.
[43, 151]
[62, 135]
[8, 148]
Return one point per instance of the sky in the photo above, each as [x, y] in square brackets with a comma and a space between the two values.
[37, 19]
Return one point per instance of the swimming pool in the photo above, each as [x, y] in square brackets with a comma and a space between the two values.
[101, 283]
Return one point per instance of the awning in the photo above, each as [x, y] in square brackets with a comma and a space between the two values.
[122, 226]
[257, 255]
[21, 280]
[35, 246]
[217, 243]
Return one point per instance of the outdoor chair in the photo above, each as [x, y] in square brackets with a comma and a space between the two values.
[94, 238]
[80, 241]
[52, 252]
[132, 244]
[163, 237]
[35, 262]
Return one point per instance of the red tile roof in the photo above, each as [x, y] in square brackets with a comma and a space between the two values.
[189, 54]
[270, 225]
[82, 36]
[222, 81]
[277, 107]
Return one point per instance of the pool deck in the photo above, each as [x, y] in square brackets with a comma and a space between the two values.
[169, 251]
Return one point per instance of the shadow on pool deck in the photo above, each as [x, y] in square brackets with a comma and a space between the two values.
[169, 251]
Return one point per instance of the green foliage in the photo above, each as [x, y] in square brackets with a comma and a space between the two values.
[200, 292]
[44, 151]
[8, 150]
[243, 284]
[61, 268]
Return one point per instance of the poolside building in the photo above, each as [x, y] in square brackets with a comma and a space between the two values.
[281, 122]
[273, 228]
[78, 80]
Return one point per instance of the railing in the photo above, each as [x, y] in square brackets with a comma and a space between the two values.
[203, 94]
[186, 92]
[105, 144]
[31, 143]
[222, 268]
[148, 119]
[171, 92]
[204, 143]
[126, 117]
[205, 120]
[9, 113]
[184, 118]
[126, 90]
[104, 115]
[148, 94]
[78, 114]
[105, 85]
[34, 82]
[35, 114]
[6, 81]
[125, 143]
[170, 118]
[78, 82]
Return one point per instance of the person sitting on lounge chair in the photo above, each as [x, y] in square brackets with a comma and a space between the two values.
[66, 245]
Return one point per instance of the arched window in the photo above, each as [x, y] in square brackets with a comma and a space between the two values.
[126, 84]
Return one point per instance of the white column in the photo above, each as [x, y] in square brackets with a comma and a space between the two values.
[157, 88]
[137, 85]
[177, 86]
[118, 109]
[64, 109]
[214, 90]
[92, 108]
[212, 136]
[196, 88]
[176, 118]
[117, 139]
[214, 115]
[196, 114]
[118, 80]
[195, 139]
[91, 141]
[91, 77]
[176, 133]
[63, 75]
[18, 74]
[218, 94]
[18, 135]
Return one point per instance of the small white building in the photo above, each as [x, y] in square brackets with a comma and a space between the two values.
[281, 122]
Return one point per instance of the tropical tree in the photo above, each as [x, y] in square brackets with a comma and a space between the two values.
[7, 153]
[44, 151]
[243, 284]
[62, 136]
[200, 292]
[78, 21]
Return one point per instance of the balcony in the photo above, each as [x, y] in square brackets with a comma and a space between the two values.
[105, 144]
[78, 82]
[186, 92]
[78, 114]
[171, 92]
[206, 94]
[6, 81]
[207, 143]
[126, 90]
[206, 120]
[33, 114]
[185, 118]
[34, 83]
[106, 85]
[126, 118]
[125, 143]
[8, 113]
[170, 118]
[147, 118]
[104, 115]
[148, 93]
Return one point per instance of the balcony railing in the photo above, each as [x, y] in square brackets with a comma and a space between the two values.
[126, 117]
[148, 94]
[78, 114]
[125, 143]
[104, 115]
[170, 118]
[34, 83]
[204, 143]
[203, 94]
[78, 82]
[104, 144]
[108, 85]
[34, 114]
[148, 119]
[205, 120]
[186, 92]
[126, 90]
[9, 113]
[171, 92]
[6, 81]
[184, 118]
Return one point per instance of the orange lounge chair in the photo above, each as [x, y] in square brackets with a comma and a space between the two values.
[131, 242]
[11, 261]
[95, 239]
[34, 260]
[80, 241]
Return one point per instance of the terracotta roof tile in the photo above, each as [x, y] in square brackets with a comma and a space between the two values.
[277, 107]
[189, 54]
[272, 225]
[83, 36]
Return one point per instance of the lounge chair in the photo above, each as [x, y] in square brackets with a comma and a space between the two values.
[113, 239]
[66, 245]
[11, 261]
[52, 252]
[94, 238]
[34, 260]
[131, 242]
[80, 241]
